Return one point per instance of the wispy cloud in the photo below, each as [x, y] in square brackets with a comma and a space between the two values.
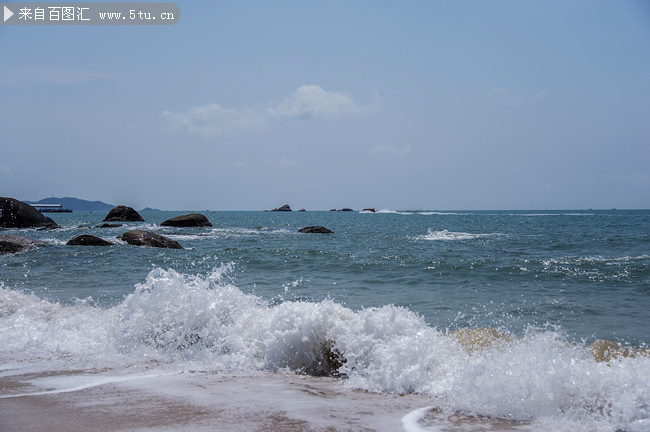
[287, 163]
[29, 76]
[503, 95]
[307, 101]
[212, 119]
[6, 170]
[392, 150]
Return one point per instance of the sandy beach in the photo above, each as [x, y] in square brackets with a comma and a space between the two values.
[195, 402]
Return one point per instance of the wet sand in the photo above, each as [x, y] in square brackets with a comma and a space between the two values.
[197, 401]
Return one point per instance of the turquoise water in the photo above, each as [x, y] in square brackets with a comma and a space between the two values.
[587, 272]
[375, 305]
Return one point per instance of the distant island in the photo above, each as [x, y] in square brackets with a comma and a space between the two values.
[75, 204]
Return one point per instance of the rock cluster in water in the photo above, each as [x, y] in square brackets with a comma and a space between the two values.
[17, 214]
[188, 220]
[14, 244]
[316, 230]
[146, 238]
[122, 213]
[284, 208]
[88, 240]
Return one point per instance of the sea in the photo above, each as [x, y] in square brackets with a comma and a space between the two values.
[398, 321]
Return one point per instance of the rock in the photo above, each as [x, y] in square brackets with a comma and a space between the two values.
[17, 214]
[302, 209]
[346, 209]
[283, 208]
[316, 230]
[188, 220]
[122, 213]
[146, 238]
[88, 240]
[13, 243]
[107, 225]
[332, 209]
[84, 226]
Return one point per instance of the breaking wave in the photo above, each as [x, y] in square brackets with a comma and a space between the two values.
[206, 321]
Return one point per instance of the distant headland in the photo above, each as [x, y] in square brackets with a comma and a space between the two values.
[75, 204]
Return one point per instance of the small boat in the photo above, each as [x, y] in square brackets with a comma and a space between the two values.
[371, 210]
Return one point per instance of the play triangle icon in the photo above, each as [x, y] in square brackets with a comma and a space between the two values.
[8, 13]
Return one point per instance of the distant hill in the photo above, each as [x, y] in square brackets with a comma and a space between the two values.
[75, 204]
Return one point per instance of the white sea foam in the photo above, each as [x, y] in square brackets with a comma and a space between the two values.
[440, 213]
[550, 214]
[451, 235]
[204, 321]
[226, 233]
[387, 211]
[595, 259]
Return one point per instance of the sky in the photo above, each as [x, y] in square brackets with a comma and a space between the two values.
[248, 105]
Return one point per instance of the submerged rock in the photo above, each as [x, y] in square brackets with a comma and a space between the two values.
[13, 243]
[17, 214]
[316, 230]
[88, 240]
[123, 214]
[146, 238]
[188, 220]
[479, 339]
[605, 350]
[283, 208]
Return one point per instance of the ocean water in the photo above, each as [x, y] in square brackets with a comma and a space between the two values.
[388, 304]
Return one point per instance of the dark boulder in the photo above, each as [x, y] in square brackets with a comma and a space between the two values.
[316, 230]
[146, 238]
[123, 214]
[188, 220]
[17, 214]
[107, 225]
[283, 208]
[302, 209]
[88, 240]
[332, 209]
[346, 209]
[12, 244]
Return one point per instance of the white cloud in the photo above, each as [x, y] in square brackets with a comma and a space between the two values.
[308, 101]
[391, 150]
[314, 101]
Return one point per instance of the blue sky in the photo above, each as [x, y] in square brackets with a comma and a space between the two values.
[421, 104]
